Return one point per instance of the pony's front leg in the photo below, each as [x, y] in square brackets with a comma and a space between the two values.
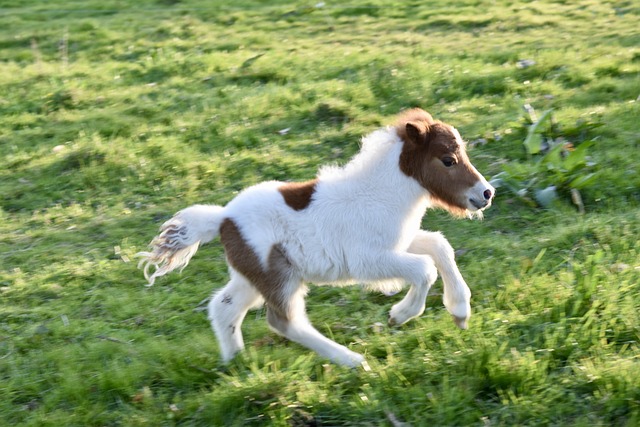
[413, 304]
[416, 269]
[457, 295]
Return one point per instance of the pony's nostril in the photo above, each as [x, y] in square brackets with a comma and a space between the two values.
[487, 194]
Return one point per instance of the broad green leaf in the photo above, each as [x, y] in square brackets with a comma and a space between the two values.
[578, 156]
[554, 157]
[583, 181]
[533, 141]
[546, 196]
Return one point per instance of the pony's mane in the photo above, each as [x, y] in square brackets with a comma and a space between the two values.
[374, 151]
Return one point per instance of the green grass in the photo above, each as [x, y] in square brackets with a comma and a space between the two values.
[115, 114]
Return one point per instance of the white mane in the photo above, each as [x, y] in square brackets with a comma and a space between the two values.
[375, 152]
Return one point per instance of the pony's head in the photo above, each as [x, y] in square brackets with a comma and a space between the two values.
[435, 155]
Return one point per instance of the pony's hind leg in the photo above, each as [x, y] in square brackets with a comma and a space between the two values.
[290, 320]
[227, 310]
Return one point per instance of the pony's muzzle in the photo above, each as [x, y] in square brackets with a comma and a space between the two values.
[481, 195]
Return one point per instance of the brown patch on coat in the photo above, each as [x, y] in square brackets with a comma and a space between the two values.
[270, 281]
[298, 195]
[428, 143]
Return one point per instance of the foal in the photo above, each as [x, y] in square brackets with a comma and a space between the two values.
[359, 223]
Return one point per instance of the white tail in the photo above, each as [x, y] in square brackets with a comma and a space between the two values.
[180, 238]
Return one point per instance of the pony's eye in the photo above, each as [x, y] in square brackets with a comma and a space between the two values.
[448, 161]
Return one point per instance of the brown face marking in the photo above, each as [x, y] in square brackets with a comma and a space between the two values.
[298, 194]
[415, 115]
[271, 281]
[428, 145]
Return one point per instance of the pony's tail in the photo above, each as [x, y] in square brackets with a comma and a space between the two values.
[179, 240]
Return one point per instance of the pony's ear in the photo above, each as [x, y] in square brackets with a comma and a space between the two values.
[417, 132]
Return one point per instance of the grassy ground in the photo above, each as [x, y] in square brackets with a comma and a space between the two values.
[115, 114]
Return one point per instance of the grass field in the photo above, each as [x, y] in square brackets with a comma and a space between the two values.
[115, 114]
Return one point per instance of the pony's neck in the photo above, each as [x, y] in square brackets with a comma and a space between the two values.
[376, 170]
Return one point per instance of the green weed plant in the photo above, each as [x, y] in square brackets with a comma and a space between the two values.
[553, 164]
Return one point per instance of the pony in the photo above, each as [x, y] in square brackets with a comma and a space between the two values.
[352, 224]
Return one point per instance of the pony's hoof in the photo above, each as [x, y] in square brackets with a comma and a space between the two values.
[351, 360]
[391, 321]
[461, 322]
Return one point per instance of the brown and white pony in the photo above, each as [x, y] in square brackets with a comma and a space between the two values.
[359, 223]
